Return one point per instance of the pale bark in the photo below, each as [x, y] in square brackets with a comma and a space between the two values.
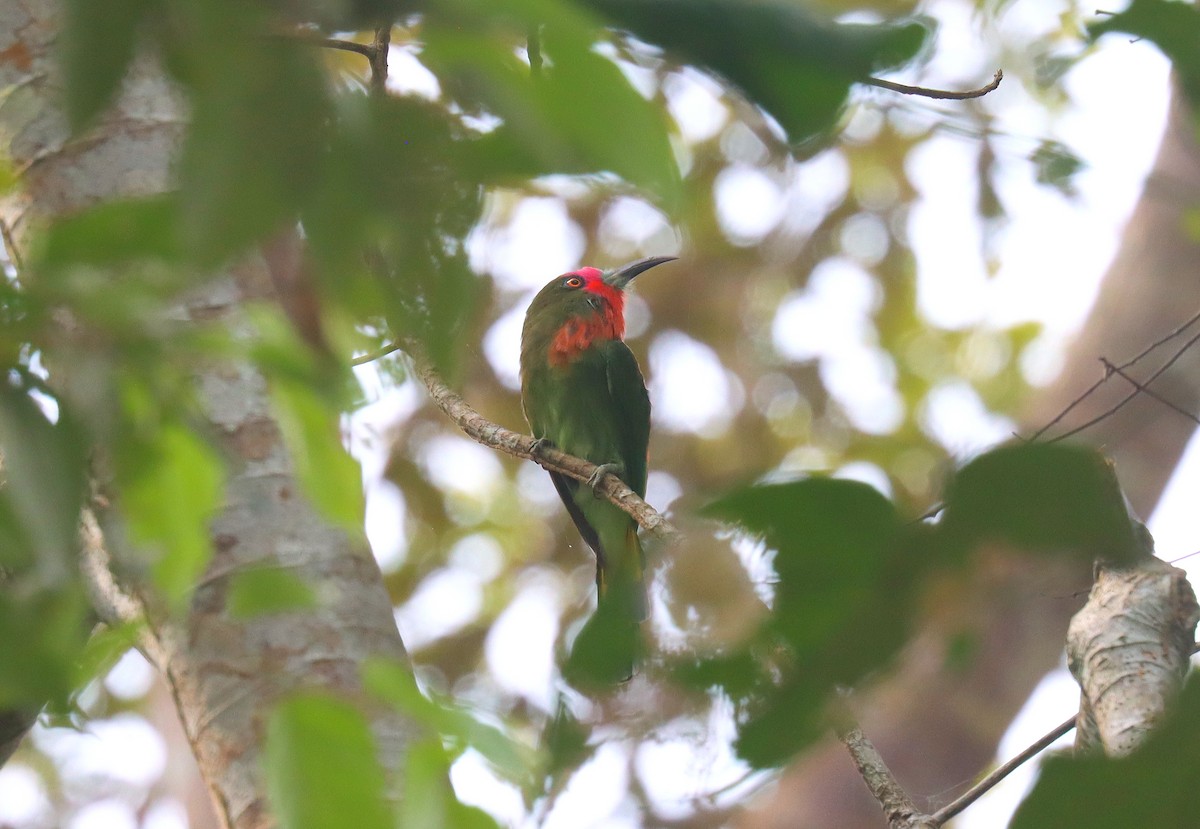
[1130, 650]
[224, 673]
[937, 727]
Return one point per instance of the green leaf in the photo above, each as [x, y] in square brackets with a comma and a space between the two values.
[458, 726]
[267, 590]
[429, 801]
[394, 186]
[580, 116]
[1173, 26]
[322, 769]
[1056, 166]
[98, 41]
[1158, 785]
[44, 466]
[311, 427]
[1042, 497]
[844, 604]
[258, 112]
[42, 632]
[794, 64]
[113, 233]
[171, 483]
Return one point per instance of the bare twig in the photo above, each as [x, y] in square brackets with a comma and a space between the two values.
[999, 773]
[942, 94]
[1110, 368]
[479, 428]
[390, 348]
[1109, 412]
[1127, 364]
[897, 807]
[367, 50]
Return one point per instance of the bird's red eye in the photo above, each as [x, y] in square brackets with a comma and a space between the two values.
[573, 282]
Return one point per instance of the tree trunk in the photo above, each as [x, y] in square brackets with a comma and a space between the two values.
[223, 672]
[936, 726]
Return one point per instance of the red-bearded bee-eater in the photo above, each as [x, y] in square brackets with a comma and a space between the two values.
[583, 392]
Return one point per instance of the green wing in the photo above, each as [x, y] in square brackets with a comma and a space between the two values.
[631, 406]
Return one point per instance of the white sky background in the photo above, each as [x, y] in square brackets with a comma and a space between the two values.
[1053, 251]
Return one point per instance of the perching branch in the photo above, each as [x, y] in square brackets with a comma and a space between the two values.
[941, 94]
[480, 429]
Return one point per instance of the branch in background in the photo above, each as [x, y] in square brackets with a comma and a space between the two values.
[941, 94]
[1120, 368]
[479, 428]
[999, 773]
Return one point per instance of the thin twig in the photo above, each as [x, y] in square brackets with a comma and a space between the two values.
[1127, 364]
[950, 810]
[390, 348]
[942, 94]
[1125, 400]
[1115, 369]
[367, 50]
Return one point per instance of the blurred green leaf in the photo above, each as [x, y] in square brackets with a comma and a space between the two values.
[1173, 26]
[42, 633]
[459, 727]
[322, 767]
[312, 429]
[429, 801]
[1056, 166]
[98, 41]
[797, 66]
[387, 223]
[43, 466]
[267, 590]
[1040, 496]
[171, 482]
[843, 605]
[111, 234]
[258, 114]
[1158, 785]
[580, 116]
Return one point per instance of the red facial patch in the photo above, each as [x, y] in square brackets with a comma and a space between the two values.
[578, 333]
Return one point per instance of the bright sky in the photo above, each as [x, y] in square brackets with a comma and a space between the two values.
[1054, 252]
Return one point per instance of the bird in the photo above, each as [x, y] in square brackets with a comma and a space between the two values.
[583, 392]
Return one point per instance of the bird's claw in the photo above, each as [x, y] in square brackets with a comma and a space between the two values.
[602, 470]
[539, 444]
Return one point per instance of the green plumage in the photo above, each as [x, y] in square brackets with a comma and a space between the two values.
[583, 392]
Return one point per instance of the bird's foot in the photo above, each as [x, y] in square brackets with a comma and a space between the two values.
[602, 470]
[540, 444]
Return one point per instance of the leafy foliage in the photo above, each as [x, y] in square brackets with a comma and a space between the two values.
[1173, 27]
[1158, 785]
[322, 767]
[387, 191]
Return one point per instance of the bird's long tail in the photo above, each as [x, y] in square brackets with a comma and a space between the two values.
[621, 575]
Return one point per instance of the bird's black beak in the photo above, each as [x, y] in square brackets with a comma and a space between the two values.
[623, 275]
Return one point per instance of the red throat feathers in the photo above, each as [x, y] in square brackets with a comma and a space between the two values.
[578, 333]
